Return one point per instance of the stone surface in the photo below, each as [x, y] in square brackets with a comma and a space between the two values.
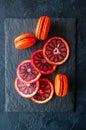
[2, 61]
[65, 28]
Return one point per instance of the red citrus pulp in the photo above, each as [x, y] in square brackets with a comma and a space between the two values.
[27, 73]
[56, 50]
[26, 90]
[40, 64]
[45, 91]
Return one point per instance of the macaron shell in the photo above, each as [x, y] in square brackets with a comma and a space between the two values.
[23, 36]
[61, 86]
[24, 41]
[58, 85]
[45, 29]
[22, 44]
[65, 85]
[39, 27]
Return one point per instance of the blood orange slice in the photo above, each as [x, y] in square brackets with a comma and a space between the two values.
[45, 92]
[26, 90]
[56, 51]
[27, 73]
[40, 63]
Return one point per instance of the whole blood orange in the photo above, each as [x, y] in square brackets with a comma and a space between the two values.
[40, 63]
[45, 91]
[27, 73]
[26, 90]
[56, 50]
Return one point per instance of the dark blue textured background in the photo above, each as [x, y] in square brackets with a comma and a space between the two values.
[47, 121]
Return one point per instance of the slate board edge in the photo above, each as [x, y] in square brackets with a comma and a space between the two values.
[5, 57]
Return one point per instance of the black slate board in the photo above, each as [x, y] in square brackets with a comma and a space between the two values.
[65, 28]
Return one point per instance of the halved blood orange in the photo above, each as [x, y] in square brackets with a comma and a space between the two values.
[26, 90]
[27, 73]
[56, 50]
[40, 64]
[45, 91]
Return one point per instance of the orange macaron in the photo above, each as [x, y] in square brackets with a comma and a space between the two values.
[61, 85]
[24, 41]
[42, 28]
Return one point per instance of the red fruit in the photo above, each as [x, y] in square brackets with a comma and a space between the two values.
[45, 92]
[56, 51]
[40, 64]
[26, 90]
[27, 73]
